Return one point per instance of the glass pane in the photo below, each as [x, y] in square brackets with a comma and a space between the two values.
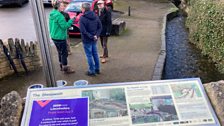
[17, 22]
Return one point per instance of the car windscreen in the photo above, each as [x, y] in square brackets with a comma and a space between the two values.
[75, 6]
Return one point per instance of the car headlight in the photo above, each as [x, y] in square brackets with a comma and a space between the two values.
[71, 28]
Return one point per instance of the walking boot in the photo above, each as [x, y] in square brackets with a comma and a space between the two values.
[97, 71]
[90, 74]
[68, 70]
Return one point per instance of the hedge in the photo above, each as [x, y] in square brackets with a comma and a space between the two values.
[206, 29]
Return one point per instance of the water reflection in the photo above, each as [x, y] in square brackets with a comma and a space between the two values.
[183, 59]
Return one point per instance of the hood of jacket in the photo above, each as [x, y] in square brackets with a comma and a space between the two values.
[90, 15]
[54, 14]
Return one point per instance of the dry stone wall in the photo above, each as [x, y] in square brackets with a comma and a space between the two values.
[18, 56]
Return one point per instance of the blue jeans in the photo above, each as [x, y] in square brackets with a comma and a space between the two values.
[62, 51]
[92, 56]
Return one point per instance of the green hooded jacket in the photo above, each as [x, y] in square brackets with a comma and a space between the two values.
[58, 25]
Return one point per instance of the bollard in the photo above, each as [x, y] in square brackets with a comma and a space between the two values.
[34, 86]
[129, 11]
[79, 83]
[61, 83]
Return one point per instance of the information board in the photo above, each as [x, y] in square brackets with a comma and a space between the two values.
[180, 102]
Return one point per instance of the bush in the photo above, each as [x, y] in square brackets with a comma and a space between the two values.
[206, 29]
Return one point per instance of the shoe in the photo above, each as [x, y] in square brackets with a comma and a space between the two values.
[90, 74]
[97, 71]
[103, 60]
[68, 70]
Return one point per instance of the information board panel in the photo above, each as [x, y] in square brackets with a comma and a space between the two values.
[180, 102]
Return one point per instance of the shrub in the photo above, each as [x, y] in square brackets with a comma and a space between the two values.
[206, 29]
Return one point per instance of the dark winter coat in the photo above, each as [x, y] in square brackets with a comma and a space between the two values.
[105, 18]
[90, 26]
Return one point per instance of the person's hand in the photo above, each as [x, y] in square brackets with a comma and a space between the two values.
[73, 18]
[107, 34]
[95, 37]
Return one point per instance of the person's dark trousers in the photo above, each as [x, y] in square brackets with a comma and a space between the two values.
[92, 57]
[61, 46]
[103, 40]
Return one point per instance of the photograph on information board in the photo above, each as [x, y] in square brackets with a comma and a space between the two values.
[106, 103]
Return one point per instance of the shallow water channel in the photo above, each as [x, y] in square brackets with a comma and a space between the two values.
[183, 59]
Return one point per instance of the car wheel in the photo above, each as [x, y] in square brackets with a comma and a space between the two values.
[20, 3]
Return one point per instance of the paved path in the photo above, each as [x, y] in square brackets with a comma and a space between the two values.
[133, 55]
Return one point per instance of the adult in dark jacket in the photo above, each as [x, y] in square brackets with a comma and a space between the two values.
[105, 18]
[90, 28]
[67, 18]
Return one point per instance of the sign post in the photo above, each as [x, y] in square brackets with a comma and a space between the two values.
[43, 39]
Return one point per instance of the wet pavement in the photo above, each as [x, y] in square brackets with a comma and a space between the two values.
[17, 22]
[132, 55]
[183, 59]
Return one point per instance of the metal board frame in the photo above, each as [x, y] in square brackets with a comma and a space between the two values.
[122, 84]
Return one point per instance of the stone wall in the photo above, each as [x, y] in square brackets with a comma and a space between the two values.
[18, 54]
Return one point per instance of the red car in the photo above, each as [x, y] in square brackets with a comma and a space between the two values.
[109, 4]
[74, 9]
